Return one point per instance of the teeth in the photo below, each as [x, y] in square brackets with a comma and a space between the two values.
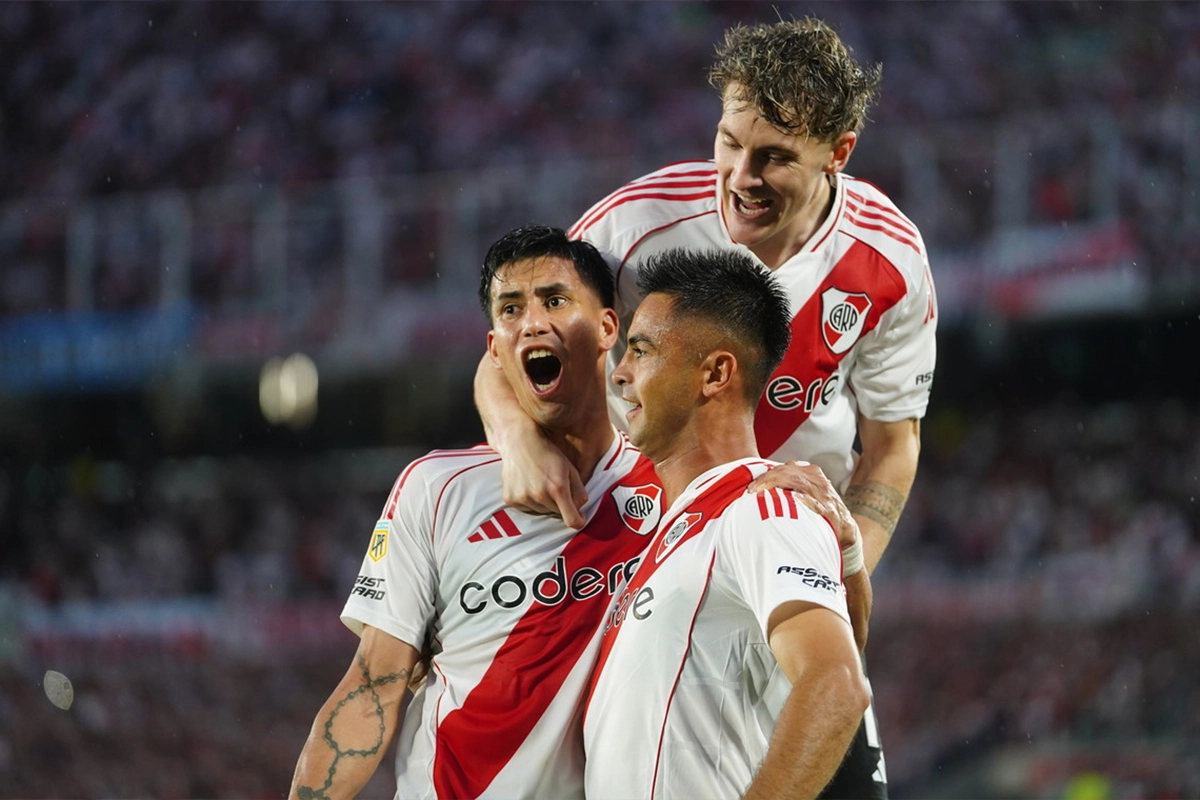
[751, 203]
[538, 354]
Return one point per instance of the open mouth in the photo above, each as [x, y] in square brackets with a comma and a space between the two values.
[750, 207]
[634, 408]
[543, 368]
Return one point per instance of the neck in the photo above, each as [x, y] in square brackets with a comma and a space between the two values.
[774, 254]
[586, 441]
[709, 440]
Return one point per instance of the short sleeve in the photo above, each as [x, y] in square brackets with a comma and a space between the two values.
[893, 369]
[776, 550]
[397, 584]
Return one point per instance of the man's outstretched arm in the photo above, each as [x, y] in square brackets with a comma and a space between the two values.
[537, 477]
[353, 729]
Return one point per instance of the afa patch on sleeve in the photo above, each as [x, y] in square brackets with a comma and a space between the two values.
[379, 540]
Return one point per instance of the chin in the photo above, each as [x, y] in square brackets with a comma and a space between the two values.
[635, 437]
[548, 415]
[749, 236]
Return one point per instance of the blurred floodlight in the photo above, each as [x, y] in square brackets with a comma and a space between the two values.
[287, 391]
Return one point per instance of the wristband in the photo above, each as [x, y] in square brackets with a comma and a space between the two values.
[852, 559]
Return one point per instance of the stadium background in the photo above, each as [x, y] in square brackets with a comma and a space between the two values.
[191, 193]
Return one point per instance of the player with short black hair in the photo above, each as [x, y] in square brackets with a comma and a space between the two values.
[728, 666]
[730, 295]
[506, 605]
[543, 241]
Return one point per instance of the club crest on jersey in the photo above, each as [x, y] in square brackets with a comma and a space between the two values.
[379, 540]
[681, 526]
[843, 315]
[639, 507]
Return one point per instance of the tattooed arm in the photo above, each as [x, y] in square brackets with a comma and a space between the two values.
[882, 480]
[353, 729]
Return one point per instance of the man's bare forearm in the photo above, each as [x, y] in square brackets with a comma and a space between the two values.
[350, 735]
[882, 480]
[496, 403]
[859, 598]
[876, 507]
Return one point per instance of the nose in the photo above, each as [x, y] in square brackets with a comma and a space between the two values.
[745, 173]
[536, 322]
[620, 375]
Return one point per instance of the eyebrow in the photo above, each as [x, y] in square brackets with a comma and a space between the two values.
[771, 148]
[637, 338]
[541, 291]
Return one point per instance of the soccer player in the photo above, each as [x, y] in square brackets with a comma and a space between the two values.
[853, 266]
[508, 604]
[728, 666]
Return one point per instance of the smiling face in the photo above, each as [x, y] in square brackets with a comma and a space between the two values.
[549, 335]
[660, 377]
[774, 185]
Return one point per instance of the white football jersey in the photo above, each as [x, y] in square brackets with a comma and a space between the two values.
[510, 606]
[687, 692]
[861, 296]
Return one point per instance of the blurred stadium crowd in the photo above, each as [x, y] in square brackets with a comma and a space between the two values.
[1044, 585]
[1043, 590]
[106, 99]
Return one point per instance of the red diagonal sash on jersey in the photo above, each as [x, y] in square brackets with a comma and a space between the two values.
[710, 504]
[809, 360]
[476, 740]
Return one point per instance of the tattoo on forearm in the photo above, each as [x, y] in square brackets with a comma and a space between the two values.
[367, 688]
[877, 502]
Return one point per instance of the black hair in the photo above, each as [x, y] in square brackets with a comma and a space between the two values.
[539, 241]
[734, 292]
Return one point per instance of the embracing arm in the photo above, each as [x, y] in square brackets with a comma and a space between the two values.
[537, 477]
[355, 726]
[815, 649]
[882, 480]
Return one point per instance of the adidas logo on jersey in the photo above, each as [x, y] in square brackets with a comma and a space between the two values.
[778, 503]
[498, 527]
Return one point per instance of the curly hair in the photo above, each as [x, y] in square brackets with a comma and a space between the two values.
[799, 75]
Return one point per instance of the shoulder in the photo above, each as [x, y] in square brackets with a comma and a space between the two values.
[675, 193]
[449, 464]
[777, 503]
[869, 216]
[779, 510]
[427, 479]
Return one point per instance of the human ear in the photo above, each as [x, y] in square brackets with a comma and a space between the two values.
[840, 152]
[719, 368]
[610, 328]
[491, 349]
